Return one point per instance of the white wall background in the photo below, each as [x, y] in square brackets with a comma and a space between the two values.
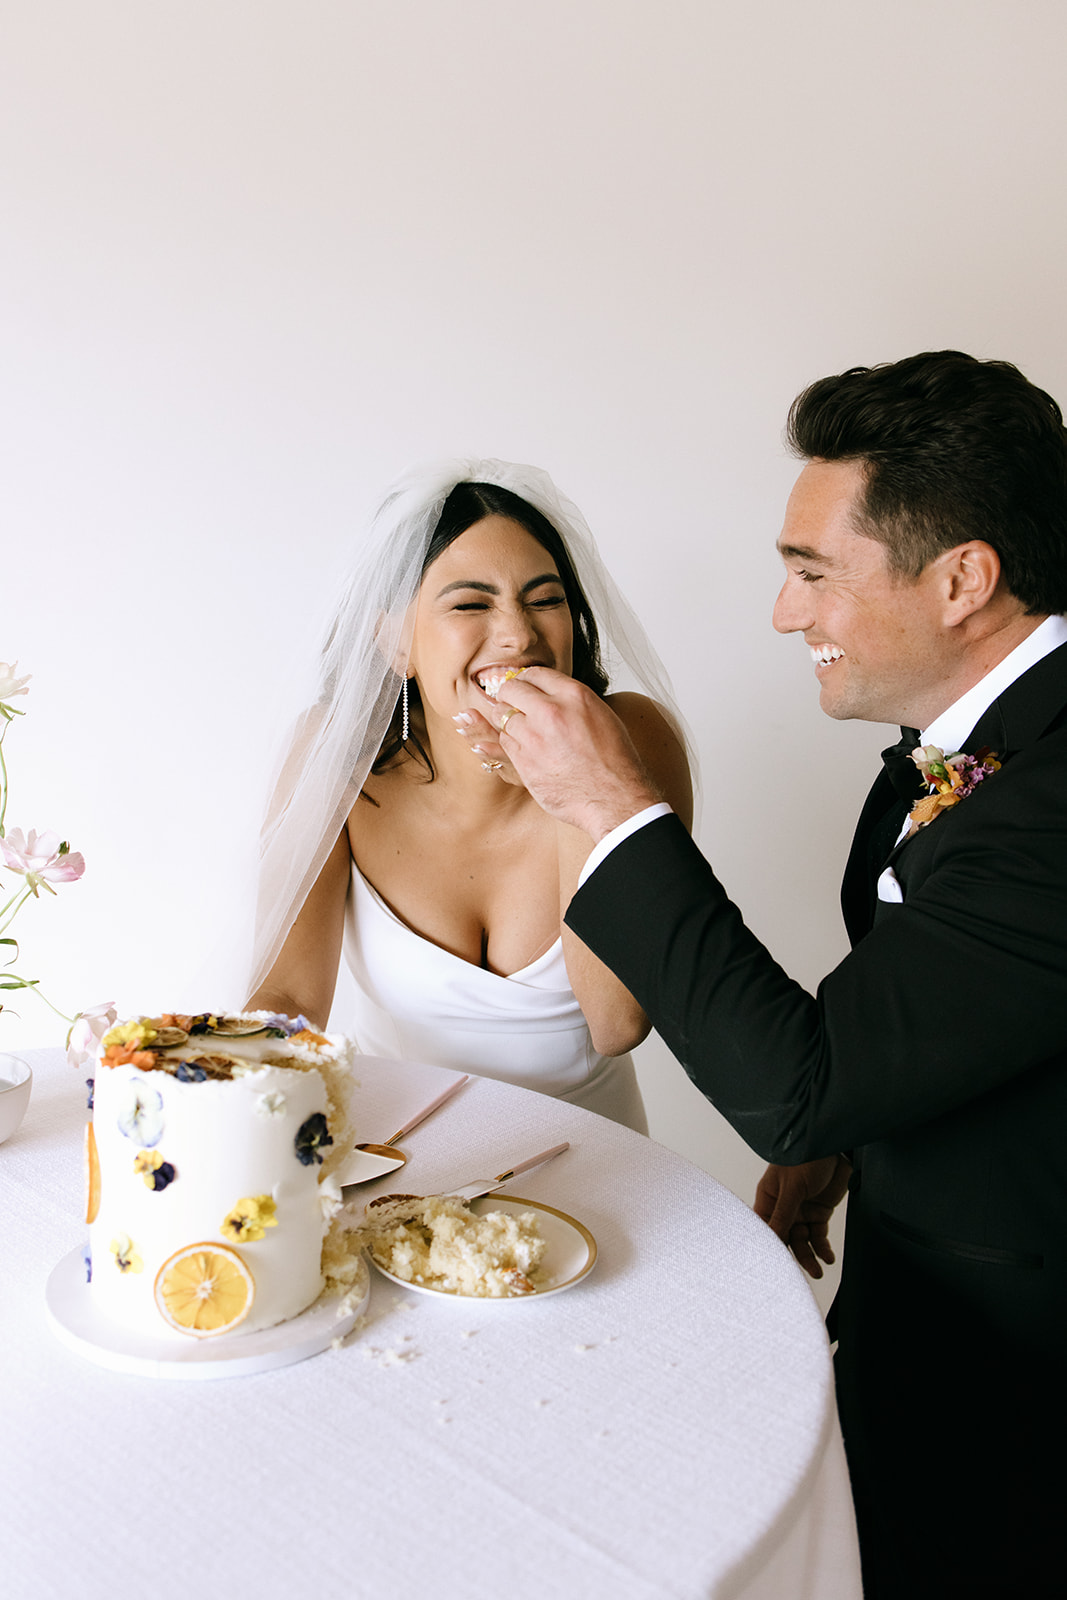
[259, 255]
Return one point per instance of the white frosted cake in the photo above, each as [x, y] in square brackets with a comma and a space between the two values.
[210, 1162]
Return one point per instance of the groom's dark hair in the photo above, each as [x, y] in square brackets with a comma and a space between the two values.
[954, 449]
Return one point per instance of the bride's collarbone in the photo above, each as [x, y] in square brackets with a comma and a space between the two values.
[486, 892]
[404, 815]
[470, 869]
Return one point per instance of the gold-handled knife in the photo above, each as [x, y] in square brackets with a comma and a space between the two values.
[478, 1186]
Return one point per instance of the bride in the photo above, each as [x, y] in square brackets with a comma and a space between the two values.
[433, 871]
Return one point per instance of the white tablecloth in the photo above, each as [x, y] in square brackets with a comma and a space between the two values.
[665, 1428]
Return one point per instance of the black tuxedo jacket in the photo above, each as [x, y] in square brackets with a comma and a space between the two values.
[936, 1055]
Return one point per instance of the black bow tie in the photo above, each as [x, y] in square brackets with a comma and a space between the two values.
[901, 770]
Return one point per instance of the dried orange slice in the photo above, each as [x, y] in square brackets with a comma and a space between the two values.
[204, 1289]
[308, 1036]
[92, 1175]
[237, 1027]
[167, 1038]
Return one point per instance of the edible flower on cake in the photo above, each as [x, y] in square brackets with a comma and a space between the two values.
[249, 1217]
[212, 1127]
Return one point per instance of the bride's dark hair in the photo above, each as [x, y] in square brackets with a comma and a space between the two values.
[467, 504]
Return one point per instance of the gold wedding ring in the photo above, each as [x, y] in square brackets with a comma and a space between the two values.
[512, 711]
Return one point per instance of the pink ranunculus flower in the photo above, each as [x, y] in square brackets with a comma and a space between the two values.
[10, 685]
[43, 857]
[87, 1030]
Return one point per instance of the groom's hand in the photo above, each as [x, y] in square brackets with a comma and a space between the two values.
[798, 1202]
[569, 748]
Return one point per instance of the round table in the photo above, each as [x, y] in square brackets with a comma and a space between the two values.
[664, 1428]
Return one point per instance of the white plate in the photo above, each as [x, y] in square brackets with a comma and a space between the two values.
[570, 1256]
[77, 1320]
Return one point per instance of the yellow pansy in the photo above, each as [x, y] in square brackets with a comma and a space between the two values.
[249, 1218]
[125, 1253]
[135, 1033]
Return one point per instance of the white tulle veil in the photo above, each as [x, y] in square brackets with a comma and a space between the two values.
[363, 662]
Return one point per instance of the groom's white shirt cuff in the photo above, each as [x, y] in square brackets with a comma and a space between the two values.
[607, 844]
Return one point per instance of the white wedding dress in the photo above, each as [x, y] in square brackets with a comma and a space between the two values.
[417, 1002]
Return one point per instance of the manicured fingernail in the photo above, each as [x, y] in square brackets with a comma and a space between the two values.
[463, 718]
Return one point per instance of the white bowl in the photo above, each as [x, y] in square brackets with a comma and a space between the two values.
[16, 1081]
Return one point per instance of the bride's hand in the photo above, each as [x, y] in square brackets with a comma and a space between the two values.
[481, 738]
[574, 753]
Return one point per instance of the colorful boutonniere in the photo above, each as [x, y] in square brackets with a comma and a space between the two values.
[950, 779]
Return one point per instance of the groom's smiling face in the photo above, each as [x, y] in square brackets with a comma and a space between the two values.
[876, 639]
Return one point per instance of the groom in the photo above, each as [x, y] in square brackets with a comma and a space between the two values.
[925, 548]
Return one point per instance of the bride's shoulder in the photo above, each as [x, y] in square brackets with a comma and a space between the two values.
[622, 700]
[637, 711]
[659, 744]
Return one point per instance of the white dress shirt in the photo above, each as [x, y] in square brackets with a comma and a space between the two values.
[946, 731]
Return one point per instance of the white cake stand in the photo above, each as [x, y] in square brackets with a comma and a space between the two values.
[78, 1322]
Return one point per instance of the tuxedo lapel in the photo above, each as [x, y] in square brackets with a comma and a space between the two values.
[1028, 708]
[879, 823]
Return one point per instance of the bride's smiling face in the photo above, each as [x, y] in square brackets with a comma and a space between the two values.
[492, 600]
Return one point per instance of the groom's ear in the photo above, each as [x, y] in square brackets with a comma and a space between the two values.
[970, 578]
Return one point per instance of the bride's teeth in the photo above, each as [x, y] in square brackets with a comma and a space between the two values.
[493, 684]
[824, 654]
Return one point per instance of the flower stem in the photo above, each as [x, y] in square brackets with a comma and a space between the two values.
[18, 900]
[51, 1007]
[3, 781]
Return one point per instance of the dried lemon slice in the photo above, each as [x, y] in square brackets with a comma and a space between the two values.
[92, 1175]
[204, 1289]
[237, 1027]
[168, 1038]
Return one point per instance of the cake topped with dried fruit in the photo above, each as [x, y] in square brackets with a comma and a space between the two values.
[211, 1160]
[216, 1045]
